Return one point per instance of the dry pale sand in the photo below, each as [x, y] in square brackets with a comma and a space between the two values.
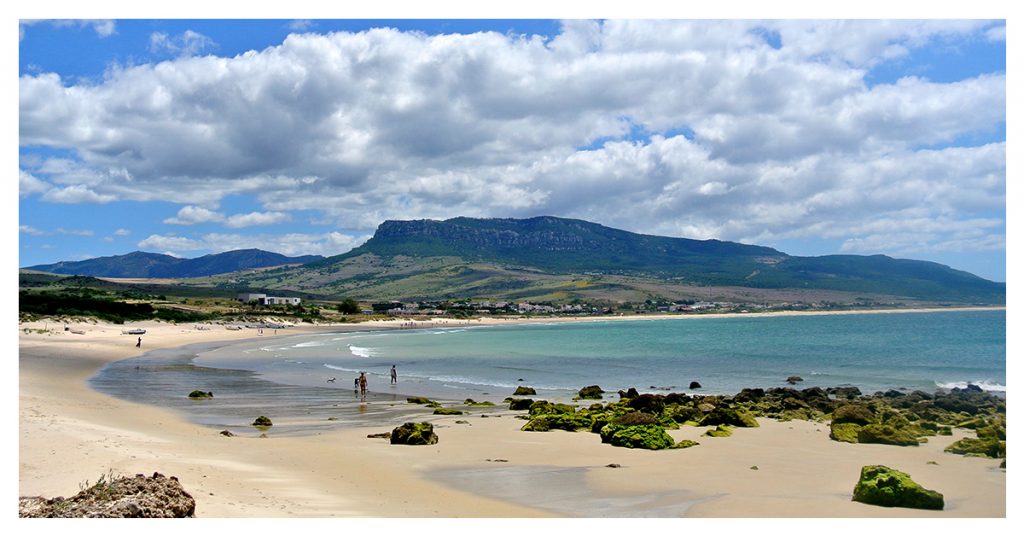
[69, 433]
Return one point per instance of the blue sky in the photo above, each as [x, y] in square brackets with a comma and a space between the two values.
[814, 137]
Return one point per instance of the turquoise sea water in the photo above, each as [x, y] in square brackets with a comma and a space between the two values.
[870, 351]
[874, 352]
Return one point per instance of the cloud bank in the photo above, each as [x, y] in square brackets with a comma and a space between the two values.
[737, 130]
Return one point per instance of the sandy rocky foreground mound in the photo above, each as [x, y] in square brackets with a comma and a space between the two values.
[138, 496]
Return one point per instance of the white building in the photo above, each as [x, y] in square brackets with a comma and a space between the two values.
[250, 297]
[274, 300]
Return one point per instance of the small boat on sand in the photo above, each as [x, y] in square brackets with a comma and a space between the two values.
[136, 331]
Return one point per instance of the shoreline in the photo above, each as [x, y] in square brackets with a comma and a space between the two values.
[342, 473]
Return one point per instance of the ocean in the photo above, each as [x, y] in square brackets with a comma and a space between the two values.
[288, 375]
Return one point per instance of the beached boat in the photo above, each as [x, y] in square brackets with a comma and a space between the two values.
[135, 331]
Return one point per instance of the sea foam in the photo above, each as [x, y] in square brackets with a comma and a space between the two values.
[361, 351]
[984, 384]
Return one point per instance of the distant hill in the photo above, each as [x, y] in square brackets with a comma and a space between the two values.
[508, 257]
[153, 265]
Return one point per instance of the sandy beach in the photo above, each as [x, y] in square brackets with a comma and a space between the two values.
[484, 467]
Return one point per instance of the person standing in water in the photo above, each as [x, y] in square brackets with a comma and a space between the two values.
[394, 375]
[362, 383]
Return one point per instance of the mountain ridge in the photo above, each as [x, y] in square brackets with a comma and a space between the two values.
[567, 246]
[141, 264]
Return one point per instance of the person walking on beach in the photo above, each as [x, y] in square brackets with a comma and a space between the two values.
[394, 375]
[362, 383]
[139, 344]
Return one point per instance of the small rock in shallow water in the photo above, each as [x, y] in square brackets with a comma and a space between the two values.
[226, 433]
[753, 467]
[613, 465]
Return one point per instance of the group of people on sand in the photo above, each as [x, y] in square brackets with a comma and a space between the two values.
[359, 384]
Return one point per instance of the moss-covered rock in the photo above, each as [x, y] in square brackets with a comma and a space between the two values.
[541, 407]
[853, 413]
[591, 391]
[882, 486]
[447, 411]
[471, 402]
[634, 418]
[520, 403]
[719, 431]
[989, 447]
[523, 390]
[262, 422]
[642, 436]
[414, 433]
[886, 435]
[558, 421]
[685, 444]
[729, 416]
[200, 395]
[844, 431]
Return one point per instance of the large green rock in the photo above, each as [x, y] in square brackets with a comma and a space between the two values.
[414, 433]
[200, 395]
[989, 447]
[262, 422]
[886, 435]
[520, 403]
[447, 411]
[882, 486]
[591, 391]
[853, 413]
[719, 431]
[642, 436]
[541, 407]
[558, 421]
[730, 417]
[844, 431]
[522, 390]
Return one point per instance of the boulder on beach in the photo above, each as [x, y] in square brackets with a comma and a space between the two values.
[262, 421]
[591, 391]
[422, 400]
[447, 411]
[685, 444]
[719, 431]
[522, 390]
[110, 497]
[729, 416]
[641, 436]
[648, 403]
[853, 413]
[520, 403]
[883, 486]
[695, 385]
[886, 435]
[414, 433]
[844, 431]
[196, 395]
[629, 393]
[989, 447]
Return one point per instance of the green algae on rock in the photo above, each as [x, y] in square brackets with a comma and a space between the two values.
[591, 391]
[844, 431]
[642, 436]
[262, 422]
[197, 395]
[685, 444]
[414, 433]
[886, 435]
[448, 411]
[989, 447]
[520, 403]
[729, 416]
[720, 431]
[883, 486]
[522, 390]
